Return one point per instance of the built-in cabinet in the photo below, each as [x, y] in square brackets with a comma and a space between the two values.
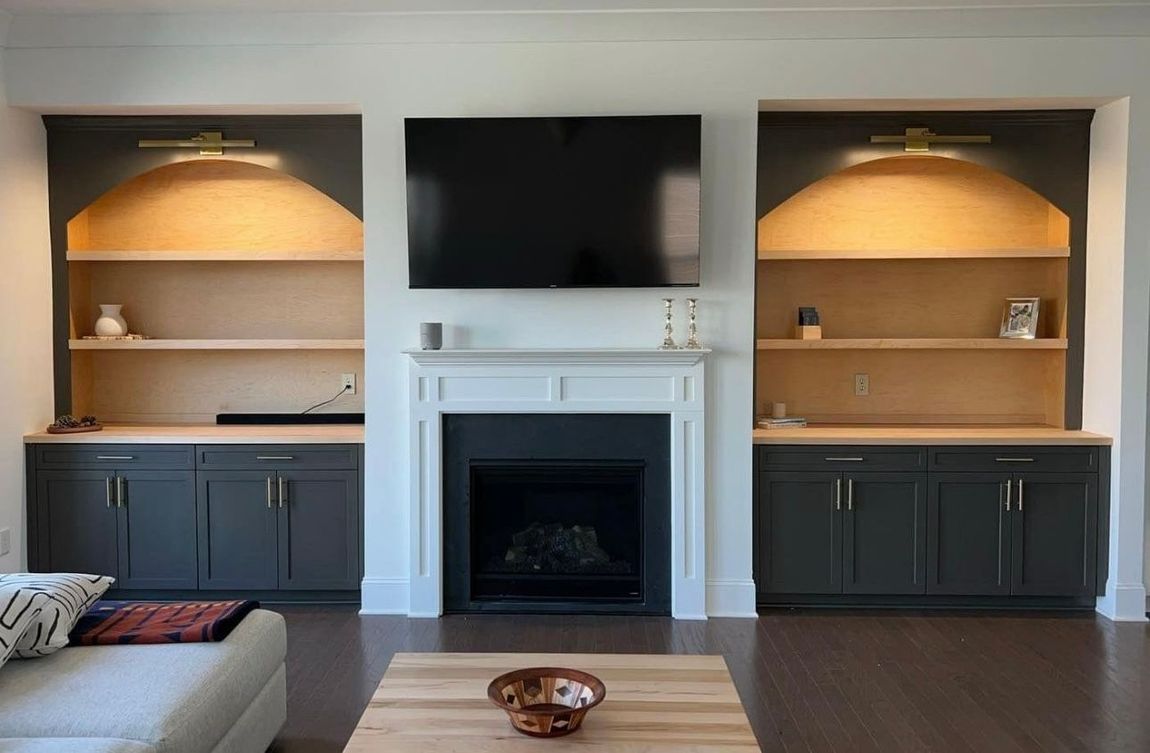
[209, 518]
[951, 525]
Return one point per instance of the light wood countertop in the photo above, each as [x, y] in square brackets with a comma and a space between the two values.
[928, 435]
[209, 434]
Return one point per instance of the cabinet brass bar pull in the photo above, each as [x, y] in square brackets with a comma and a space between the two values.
[850, 493]
[115, 457]
[1020, 495]
[108, 491]
[269, 492]
[1005, 485]
[1014, 460]
[844, 460]
[838, 494]
[274, 457]
[119, 491]
[283, 492]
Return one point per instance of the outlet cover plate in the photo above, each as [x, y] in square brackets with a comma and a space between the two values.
[348, 383]
[862, 385]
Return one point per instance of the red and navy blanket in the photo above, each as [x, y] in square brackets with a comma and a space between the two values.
[113, 623]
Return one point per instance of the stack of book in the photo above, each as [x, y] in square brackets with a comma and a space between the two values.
[790, 422]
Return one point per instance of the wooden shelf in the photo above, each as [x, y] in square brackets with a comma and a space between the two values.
[1053, 252]
[916, 435]
[266, 344]
[918, 343]
[236, 255]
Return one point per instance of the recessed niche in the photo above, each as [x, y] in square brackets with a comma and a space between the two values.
[909, 260]
[914, 204]
[262, 263]
[215, 205]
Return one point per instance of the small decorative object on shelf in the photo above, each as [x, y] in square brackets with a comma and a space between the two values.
[693, 325]
[668, 330]
[546, 701]
[808, 327]
[111, 323]
[778, 410]
[71, 425]
[792, 422]
[430, 335]
[1020, 318]
[129, 336]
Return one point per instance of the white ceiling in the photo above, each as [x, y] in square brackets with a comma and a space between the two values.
[25, 7]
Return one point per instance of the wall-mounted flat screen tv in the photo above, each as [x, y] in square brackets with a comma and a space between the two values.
[571, 202]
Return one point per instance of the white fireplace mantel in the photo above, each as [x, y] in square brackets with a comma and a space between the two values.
[599, 380]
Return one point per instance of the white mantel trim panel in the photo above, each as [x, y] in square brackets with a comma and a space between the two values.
[607, 380]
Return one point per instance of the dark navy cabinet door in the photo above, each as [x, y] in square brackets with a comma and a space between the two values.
[1055, 534]
[884, 533]
[157, 529]
[236, 527]
[968, 534]
[77, 521]
[801, 519]
[318, 529]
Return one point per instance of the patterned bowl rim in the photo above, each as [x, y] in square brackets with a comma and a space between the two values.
[495, 689]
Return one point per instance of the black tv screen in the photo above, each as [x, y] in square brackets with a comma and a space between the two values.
[553, 202]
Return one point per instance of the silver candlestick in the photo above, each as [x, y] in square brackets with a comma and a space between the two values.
[692, 325]
[668, 339]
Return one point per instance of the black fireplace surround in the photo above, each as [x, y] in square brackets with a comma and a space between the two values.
[557, 513]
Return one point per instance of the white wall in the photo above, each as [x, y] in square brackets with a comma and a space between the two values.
[25, 309]
[723, 80]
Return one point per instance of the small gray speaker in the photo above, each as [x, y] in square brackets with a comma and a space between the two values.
[431, 335]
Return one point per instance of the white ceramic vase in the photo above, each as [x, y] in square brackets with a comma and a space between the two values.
[111, 323]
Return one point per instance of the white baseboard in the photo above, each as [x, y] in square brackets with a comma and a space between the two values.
[731, 597]
[1124, 603]
[384, 596]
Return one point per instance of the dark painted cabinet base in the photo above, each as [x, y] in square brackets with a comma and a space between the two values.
[274, 523]
[939, 527]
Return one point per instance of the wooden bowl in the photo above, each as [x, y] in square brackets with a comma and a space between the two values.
[546, 701]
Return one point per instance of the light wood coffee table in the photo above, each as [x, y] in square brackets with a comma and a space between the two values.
[435, 703]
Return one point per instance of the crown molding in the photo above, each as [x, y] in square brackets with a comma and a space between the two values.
[340, 29]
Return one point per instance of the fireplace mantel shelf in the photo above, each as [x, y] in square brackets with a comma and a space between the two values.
[516, 356]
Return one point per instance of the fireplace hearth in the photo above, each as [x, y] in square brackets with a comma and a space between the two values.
[556, 513]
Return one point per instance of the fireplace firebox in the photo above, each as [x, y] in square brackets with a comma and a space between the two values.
[556, 513]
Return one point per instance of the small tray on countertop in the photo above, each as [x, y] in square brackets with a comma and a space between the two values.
[74, 429]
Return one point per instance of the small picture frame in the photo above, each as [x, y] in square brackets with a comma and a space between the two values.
[1020, 318]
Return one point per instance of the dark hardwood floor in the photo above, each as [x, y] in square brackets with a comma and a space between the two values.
[810, 681]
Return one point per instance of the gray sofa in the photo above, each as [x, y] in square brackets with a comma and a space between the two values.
[226, 697]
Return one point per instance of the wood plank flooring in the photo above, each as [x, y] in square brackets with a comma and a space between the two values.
[810, 680]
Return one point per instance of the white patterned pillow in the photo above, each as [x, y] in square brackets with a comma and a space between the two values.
[19, 608]
[69, 597]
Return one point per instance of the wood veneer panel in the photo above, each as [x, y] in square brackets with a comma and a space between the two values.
[214, 205]
[242, 300]
[913, 202]
[913, 387]
[193, 386]
[908, 298]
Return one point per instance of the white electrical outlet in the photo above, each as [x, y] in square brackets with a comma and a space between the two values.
[862, 385]
[348, 383]
[5, 541]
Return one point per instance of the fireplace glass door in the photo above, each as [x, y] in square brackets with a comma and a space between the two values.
[556, 531]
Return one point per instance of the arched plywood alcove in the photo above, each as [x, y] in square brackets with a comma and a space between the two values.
[913, 205]
[908, 260]
[216, 206]
[247, 280]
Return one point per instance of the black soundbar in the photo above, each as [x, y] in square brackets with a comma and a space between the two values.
[281, 419]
